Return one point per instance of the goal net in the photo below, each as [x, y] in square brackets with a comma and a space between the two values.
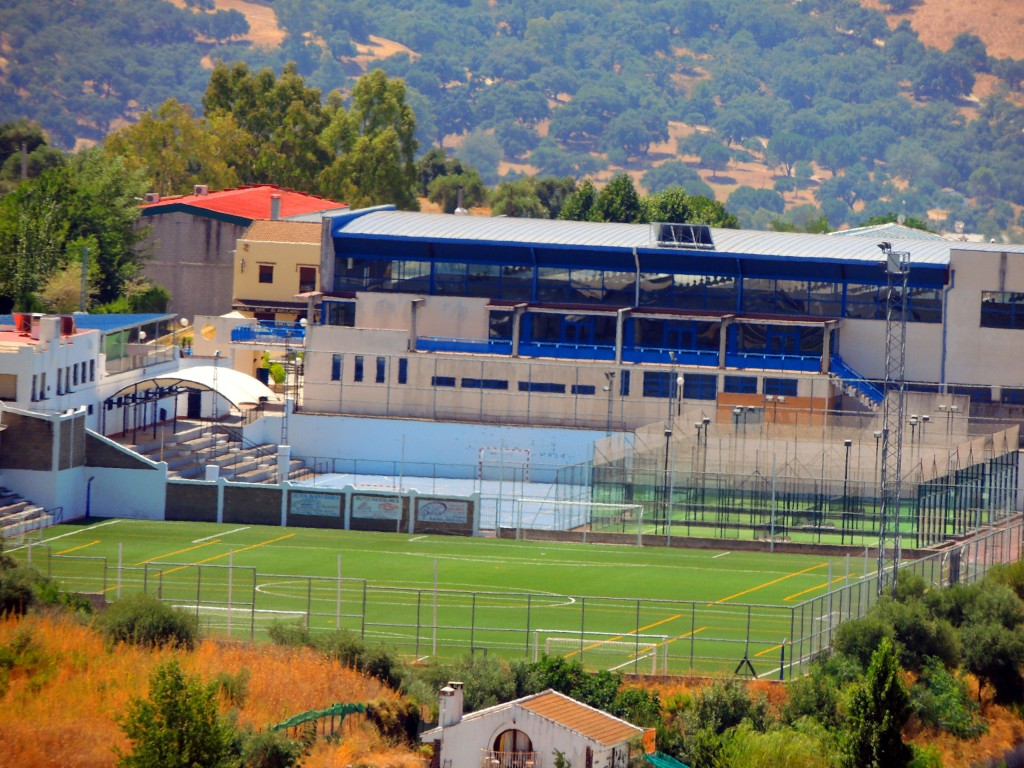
[643, 654]
[501, 463]
[563, 515]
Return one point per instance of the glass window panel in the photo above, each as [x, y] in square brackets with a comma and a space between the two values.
[484, 280]
[553, 285]
[450, 278]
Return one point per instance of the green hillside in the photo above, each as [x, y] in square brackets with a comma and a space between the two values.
[831, 104]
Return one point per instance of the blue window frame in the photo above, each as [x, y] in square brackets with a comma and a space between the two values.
[442, 381]
[1002, 310]
[785, 387]
[583, 389]
[484, 383]
[357, 373]
[659, 384]
[700, 386]
[541, 386]
[403, 370]
[740, 385]
[382, 367]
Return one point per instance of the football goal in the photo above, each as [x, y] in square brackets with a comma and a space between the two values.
[584, 516]
[642, 654]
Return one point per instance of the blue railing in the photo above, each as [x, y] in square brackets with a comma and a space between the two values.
[475, 346]
[767, 361]
[567, 350]
[664, 355]
[850, 377]
[270, 332]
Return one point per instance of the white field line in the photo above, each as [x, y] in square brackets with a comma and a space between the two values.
[217, 535]
[80, 530]
[721, 555]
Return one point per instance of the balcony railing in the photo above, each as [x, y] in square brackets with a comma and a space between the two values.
[490, 759]
[269, 332]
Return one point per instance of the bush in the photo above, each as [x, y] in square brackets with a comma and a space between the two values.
[143, 620]
[941, 699]
[345, 647]
[269, 749]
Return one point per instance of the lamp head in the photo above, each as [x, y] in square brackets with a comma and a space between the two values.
[847, 443]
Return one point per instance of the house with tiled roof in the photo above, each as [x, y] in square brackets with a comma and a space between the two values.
[277, 264]
[531, 732]
[191, 241]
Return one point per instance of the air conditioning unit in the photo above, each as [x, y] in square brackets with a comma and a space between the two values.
[201, 189]
[151, 197]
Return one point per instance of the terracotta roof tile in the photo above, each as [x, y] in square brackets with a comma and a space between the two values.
[593, 723]
[283, 232]
[250, 202]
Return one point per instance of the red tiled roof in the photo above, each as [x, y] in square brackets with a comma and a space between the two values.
[593, 723]
[250, 202]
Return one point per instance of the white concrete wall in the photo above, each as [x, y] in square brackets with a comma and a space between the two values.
[449, 444]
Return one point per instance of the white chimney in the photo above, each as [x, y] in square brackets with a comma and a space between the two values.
[49, 328]
[275, 207]
[449, 705]
[200, 190]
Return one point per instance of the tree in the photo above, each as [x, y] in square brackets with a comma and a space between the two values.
[878, 710]
[786, 148]
[579, 205]
[444, 190]
[178, 725]
[519, 199]
[670, 205]
[618, 201]
[178, 150]
[374, 144]
[282, 120]
[715, 156]
[481, 150]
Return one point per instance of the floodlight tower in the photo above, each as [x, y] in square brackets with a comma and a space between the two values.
[897, 271]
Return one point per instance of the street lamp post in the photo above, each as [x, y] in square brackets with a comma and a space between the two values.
[610, 378]
[846, 505]
[874, 478]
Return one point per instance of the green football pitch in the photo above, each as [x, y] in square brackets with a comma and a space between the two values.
[646, 609]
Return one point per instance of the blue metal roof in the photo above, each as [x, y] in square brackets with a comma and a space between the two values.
[548, 234]
[106, 323]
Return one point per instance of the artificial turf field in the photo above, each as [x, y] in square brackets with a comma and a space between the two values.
[666, 609]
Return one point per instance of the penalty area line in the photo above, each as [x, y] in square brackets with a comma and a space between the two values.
[214, 536]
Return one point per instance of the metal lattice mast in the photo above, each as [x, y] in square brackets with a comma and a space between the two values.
[897, 270]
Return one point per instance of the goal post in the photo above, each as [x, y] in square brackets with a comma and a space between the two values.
[647, 654]
[583, 516]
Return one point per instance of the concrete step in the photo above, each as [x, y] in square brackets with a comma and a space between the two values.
[12, 508]
[258, 475]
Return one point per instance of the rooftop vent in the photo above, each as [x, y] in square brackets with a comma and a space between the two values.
[200, 189]
[691, 236]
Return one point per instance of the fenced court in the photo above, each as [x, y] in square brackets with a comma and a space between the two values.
[631, 609]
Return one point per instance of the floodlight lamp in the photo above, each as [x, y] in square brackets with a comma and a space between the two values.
[885, 247]
[705, 421]
[878, 435]
[847, 443]
[737, 410]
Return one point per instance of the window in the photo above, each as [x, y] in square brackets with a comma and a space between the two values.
[74, 374]
[42, 386]
[336, 367]
[741, 385]
[307, 279]
[357, 373]
[60, 378]
[339, 313]
[541, 386]
[442, 381]
[382, 368]
[624, 384]
[403, 370]
[1002, 310]
[786, 387]
[583, 389]
[658, 384]
[92, 370]
[35, 383]
[266, 273]
[700, 386]
[484, 384]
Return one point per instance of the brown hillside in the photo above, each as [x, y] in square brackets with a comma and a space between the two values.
[999, 23]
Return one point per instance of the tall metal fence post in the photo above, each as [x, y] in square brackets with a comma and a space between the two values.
[528, 617]
[199, 582]
[309, 599]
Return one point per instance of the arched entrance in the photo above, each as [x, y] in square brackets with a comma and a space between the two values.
[511, 749]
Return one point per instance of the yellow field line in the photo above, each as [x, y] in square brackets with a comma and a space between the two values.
[687, 634]
[769, 583]
[814, 589]
[768, 650]
[225, 554]
[627, 634]
[178, 552]
[75, 549]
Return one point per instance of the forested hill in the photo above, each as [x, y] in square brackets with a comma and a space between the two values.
[773, 102]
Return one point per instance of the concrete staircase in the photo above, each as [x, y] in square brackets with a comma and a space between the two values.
[18, 515]
[192, 448]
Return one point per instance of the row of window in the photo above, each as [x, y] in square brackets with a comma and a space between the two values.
[559, 285]
[696, 386]
[1002, 310]
[307, 277]
[67, 377]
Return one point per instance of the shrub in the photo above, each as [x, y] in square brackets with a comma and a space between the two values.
[941, 699]
[143, 620]
[269, 749]
[233, 687]
[396, 721]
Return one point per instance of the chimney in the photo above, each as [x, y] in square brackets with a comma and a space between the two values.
[275, 207]
[449, 705]
[459, 210]
[200, 190]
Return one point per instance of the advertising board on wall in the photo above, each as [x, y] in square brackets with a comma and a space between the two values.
[442, 511]
[376, 507]
[316, 504]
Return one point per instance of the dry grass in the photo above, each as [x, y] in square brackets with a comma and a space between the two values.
[999, 23]
[63, 714]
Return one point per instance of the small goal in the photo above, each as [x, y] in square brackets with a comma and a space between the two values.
[585, 516]
[642, 654]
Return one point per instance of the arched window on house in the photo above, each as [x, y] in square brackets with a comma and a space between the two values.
[512, 749]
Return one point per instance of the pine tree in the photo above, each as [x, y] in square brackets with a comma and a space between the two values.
[879, 708]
